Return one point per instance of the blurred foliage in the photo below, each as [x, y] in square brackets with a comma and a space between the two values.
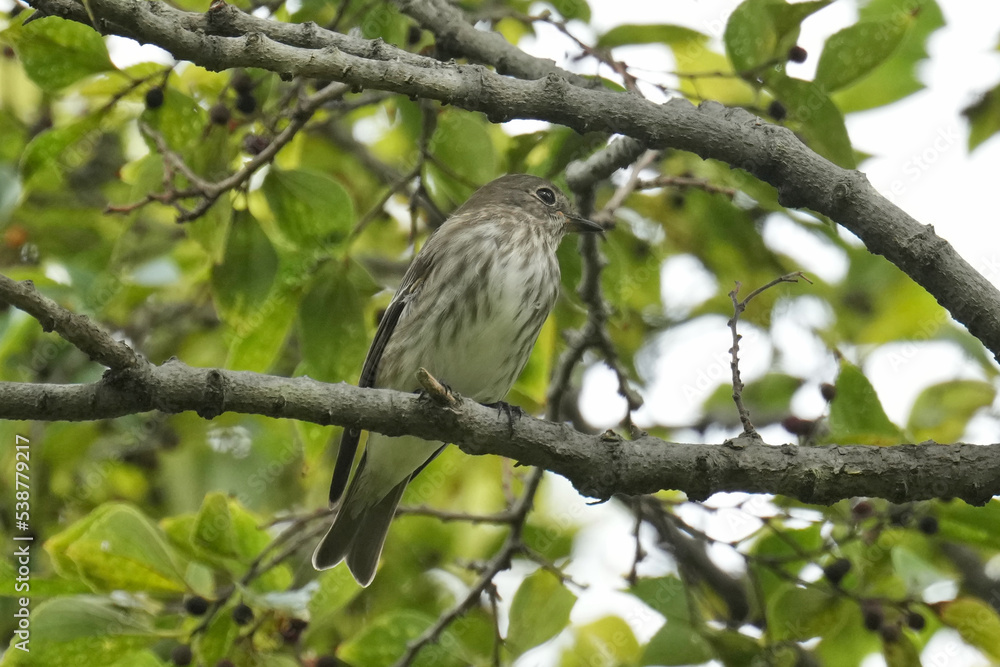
[162, 532]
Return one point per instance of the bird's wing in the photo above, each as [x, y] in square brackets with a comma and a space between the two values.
[408, 288]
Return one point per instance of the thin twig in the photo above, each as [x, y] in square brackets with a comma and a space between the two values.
[686, 182]
[208, 192]
[507, 517]
[640, 553]
[497, 639]
[497, 564]
[734, 364]
[379, 206]
[607, 213]
[594, 333]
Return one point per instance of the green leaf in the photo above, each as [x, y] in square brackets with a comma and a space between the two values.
[310, 208]
[610, 637]
[975, 526]
[796, 613]
[896, 77]
[336, 588]
[760, 32]
[56, 52]
[256, 342]
[858, 49]
[676, 643]
[216, 642]
[381, 642]
[83, 631]
[916, 572]
[667, 595]
[632, 33]
[533, 383]
[856, 414]
[984, 117]
[976, 621]
[878, 303]
[942, 411]
[242, 283]
[572, 9]
[50, 154]
[848, 642]
[181, 122]
[815, 117]
[539, 612]
[733, 648]
[213, 527]
[116, 547]
[463, 143]
[331, 322]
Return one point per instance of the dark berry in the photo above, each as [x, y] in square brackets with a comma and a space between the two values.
[835, 571]
[181, 655]
[292, 630]
[797, 54]
[797, 426]
[928, 525]
[863, 509]
[253, 144]
[219, 114]
[413, 35]
[154, 98]
[777, 110]
[828, 391]
[246, 103]
[196, 605]
[242, 614]
[915, 620]
[241, 82]
[8, 52]
[873, 617]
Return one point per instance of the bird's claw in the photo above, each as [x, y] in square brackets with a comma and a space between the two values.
[513, 412]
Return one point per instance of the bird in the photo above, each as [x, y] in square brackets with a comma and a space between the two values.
[468, 310]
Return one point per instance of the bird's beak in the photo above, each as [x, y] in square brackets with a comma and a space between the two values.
[578, 224]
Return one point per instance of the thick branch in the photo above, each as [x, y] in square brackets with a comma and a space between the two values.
[598, 466]
[773, 154]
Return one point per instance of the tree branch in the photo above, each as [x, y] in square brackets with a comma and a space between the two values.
[598, 466]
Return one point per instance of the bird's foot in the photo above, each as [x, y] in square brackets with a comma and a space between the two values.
[512, 412]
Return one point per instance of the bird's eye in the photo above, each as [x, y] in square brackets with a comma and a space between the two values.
[546, 195]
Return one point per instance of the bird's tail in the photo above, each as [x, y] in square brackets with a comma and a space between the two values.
[358, 534]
